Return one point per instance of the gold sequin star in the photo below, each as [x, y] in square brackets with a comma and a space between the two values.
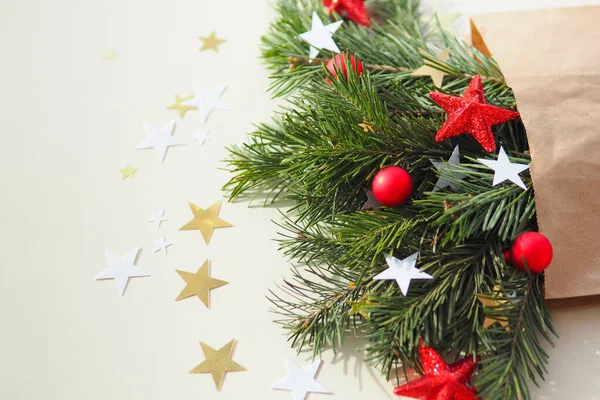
[199, 284]
[436, 75]
[362, 307]
[180, 107]
[128, 172]
[109, 55]
[205, 220]
[366, 127]
[494, 301]
[217, 363]
[211, 42]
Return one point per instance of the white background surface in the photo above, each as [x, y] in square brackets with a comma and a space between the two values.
[69, 123]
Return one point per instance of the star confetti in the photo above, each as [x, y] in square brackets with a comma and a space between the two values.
[362, 307]
[178, 105]
[217, 363]
[471, 114]
[201, 137]
[128, 172]
[371, 202]
[206, 100]
[494, 301]
[159, 139]
[121, 269]
[301, 380]
[161, 245]
[206, 220]
[402, 271]
[436, 75]
[211, 42]
[199, 284]
[158, 217]
[504, 170]
[366, 127]
[321, 36]
[441, 381]
[109, 55]
[446, 171]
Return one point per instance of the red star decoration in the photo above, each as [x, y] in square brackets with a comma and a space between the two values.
[471, 114]
[353, 10]
[441, 381]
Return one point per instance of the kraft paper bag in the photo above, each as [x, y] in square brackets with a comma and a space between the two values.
[551, 59]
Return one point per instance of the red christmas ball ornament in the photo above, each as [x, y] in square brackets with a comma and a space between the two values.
[392, 186]
[354, 10]
[531, 247]
[340, 62]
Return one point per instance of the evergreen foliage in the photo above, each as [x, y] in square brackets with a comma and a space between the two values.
[316, 155]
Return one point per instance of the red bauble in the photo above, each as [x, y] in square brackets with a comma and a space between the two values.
[340, 61]
[533, 248]
[471, 114]
[354, 10]
[441, 381]
[392, 186]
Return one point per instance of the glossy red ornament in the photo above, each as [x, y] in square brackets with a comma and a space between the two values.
[532, 247]
[471, 114]
[354, 10]
[341, 61]
[441, 381]
[392, 186]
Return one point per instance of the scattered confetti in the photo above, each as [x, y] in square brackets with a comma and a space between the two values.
[211, 42]
[161, 245]
[109, 55]
[180, 107]
[128, 172]
[121, 269]
[207, 100]
[436, 75]
[159, 139]
[199, 284]
[206, 220]
[201, 137]
[217, 363]
[158, 217]
[301, 380]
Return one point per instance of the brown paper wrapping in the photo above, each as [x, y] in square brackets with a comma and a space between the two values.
[551, 60]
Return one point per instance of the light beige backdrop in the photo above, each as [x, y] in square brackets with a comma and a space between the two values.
[69, 123]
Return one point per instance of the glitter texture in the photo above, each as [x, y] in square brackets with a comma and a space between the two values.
[471, 114]
[441, 381]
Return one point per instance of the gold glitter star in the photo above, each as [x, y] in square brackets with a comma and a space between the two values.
[362, 307]
[128, 172]
[217, 363]
[494, 302]
[205, 220]
[199, 284]
[436, 75]
[180, 107]
[211, 42]
[366, 127]
[109, 55]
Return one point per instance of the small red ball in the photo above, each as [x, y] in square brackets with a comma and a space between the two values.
[392, 186]
[340, 62]
[533, 248]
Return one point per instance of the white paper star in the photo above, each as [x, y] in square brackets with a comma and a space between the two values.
[504, 170]
[158, 217]
[159, 139]
[161, 245]
[446, 171]
[121, 268]
[201, 137]
[207, 100]
[321, 36]
[403, 271]
[301, 381]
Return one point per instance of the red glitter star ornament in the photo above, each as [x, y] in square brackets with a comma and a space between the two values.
[441, 381]
[354, 10]
[471, 114]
